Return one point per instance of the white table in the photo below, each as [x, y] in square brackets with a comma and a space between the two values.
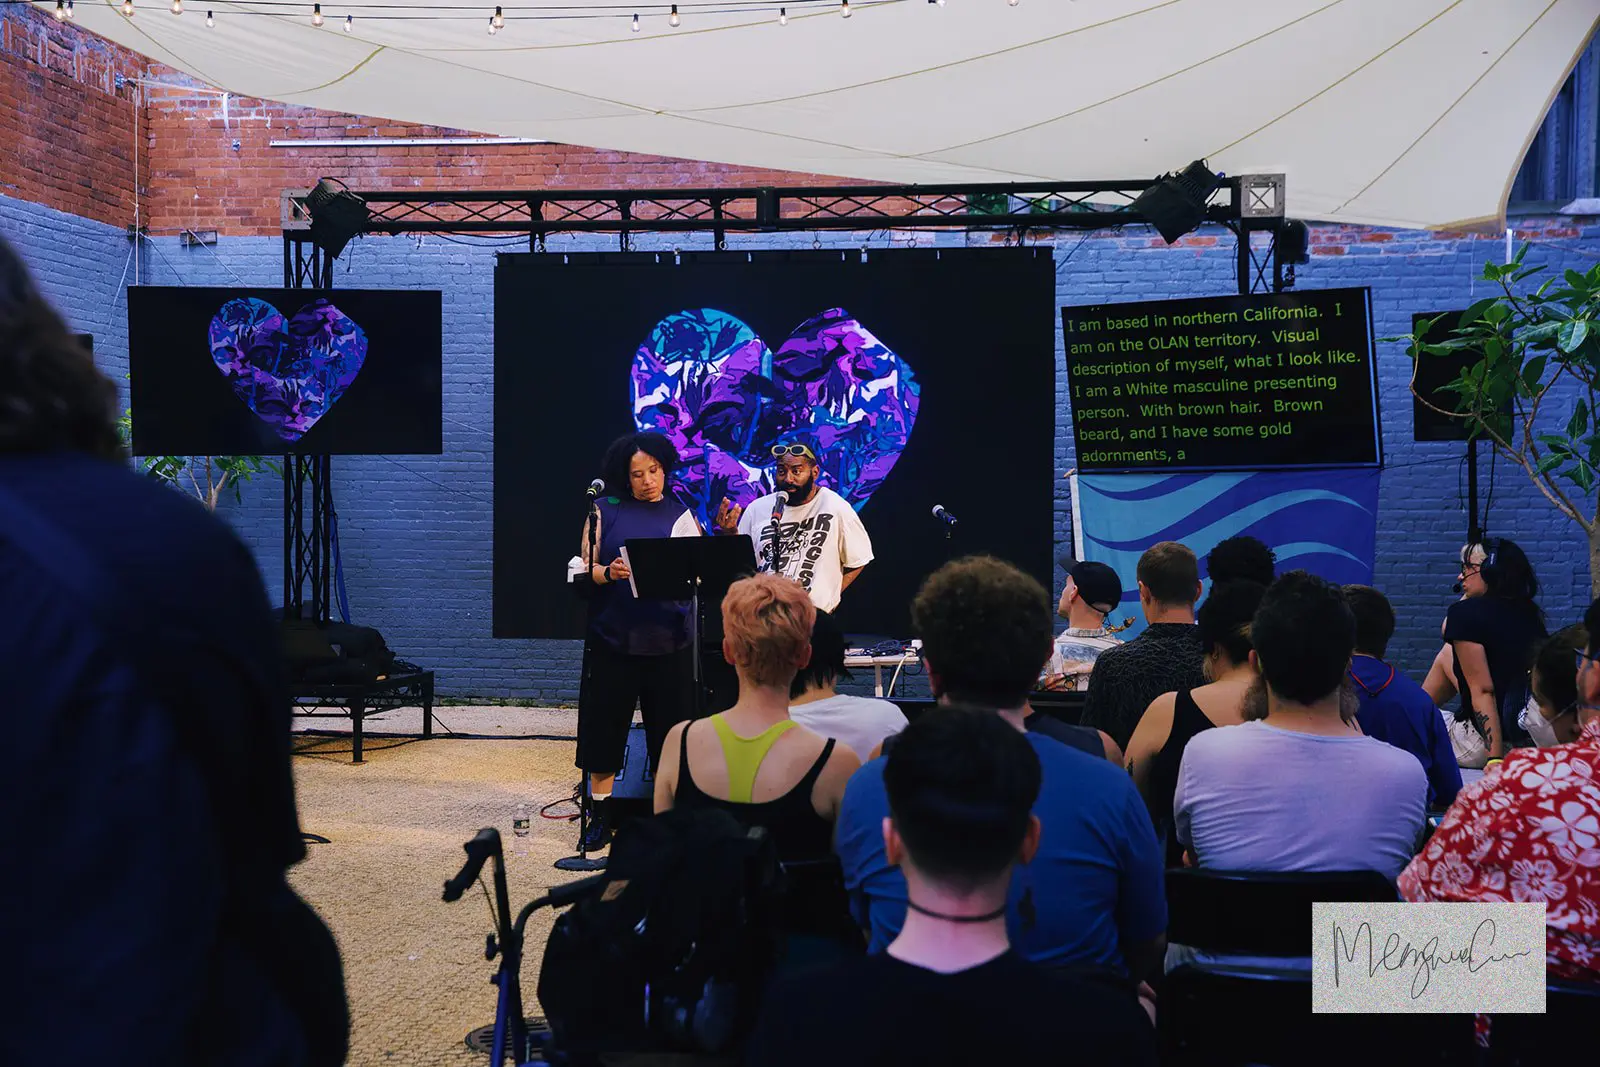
[858, 658]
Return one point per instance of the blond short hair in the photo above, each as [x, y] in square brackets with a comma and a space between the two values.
[767, 619]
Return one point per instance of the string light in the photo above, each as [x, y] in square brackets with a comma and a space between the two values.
[844, 9]
[177, 7]
[636, 24]
[210, 19]
[493, 29]
[783, 16]
[349, 24]
[70, 15]
[127, 8]
[61, 10]
[316, 15]
[673, 19]
[499, 19]
[1013, 3]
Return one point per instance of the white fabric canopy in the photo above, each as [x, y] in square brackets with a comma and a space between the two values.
[1389, 112]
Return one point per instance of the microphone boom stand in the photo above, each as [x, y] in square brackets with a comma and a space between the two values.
[582, 862]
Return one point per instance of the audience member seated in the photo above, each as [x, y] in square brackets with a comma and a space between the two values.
[1091, 594]
[1163, 659]
[959, 785]
[1241, 559]
[861, 723]
[148, 918]
[1529, 829]
[1298, 788]
[753, 760]
[1093, 896]
[1392, 707]
[1156, 751]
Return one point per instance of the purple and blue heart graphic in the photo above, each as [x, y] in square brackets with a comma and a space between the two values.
[289, 372]
[708, 382]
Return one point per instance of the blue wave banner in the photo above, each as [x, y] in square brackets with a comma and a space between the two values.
[1323, 521]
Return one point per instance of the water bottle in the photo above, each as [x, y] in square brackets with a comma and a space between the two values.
[519, 827]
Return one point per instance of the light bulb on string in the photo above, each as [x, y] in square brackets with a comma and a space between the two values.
[493, 29]
[844, 9]
[1013, 3]
[499, 19]
[673, 19]
[211, 19]
[316, 15]
[127, 8]
[61, 10]
[636, 24]
[177, 7]
[349, 24]
[70, 15]
[783, 16]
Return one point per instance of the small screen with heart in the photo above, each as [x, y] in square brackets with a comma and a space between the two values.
[235, 371]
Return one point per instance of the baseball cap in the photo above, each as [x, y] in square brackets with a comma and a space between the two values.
[1097, 583]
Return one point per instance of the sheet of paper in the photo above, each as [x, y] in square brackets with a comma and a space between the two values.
[631, 587]
[574, 569]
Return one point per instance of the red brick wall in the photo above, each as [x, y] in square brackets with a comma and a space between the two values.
[200, 180]
[66, 130]
[73, 132]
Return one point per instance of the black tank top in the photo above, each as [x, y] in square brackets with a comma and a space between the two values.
[1187, 721]
[796, 828]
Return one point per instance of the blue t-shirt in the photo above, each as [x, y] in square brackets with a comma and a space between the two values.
[1398, 711]
[1096, 882]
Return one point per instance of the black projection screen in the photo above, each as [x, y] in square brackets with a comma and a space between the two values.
[1270, 380]
[237, 371]
[975, 327]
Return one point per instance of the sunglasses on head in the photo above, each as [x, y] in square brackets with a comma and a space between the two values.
[803, 451]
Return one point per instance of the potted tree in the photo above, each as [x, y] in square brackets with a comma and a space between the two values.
[1538, 349]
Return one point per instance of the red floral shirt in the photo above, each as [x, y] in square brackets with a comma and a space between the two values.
[1529, 829]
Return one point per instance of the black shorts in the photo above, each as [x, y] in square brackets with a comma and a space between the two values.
[614, 683]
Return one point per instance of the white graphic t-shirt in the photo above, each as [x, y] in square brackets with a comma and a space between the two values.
[817, 543]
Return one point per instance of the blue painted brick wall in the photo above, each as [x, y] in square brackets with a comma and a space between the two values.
[417, 530]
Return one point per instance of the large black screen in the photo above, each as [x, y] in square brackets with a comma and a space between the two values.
[237, 371]
[929, 376]
[1264, 381]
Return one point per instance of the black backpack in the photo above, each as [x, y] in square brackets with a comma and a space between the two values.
[673, 954]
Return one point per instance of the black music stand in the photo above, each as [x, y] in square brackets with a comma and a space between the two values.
[693, 569]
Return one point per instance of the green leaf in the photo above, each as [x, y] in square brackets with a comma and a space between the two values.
[1584, 476]
[1572, 334]
[1532, 372]
[1497, 313]
[1576, 280]
[1474, 312]
[1549, 462]
[1578, 425]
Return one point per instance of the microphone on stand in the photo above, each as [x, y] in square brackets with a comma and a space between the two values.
[939, 512]
[596, 487]
[777, 531]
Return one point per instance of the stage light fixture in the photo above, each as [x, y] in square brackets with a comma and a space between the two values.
[316, 15]
[499, 19]
[337, 215]
[1176, 203]
[673, 19]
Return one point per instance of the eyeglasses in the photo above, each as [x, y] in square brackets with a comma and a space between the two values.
[802, 451]
[1579, 655]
